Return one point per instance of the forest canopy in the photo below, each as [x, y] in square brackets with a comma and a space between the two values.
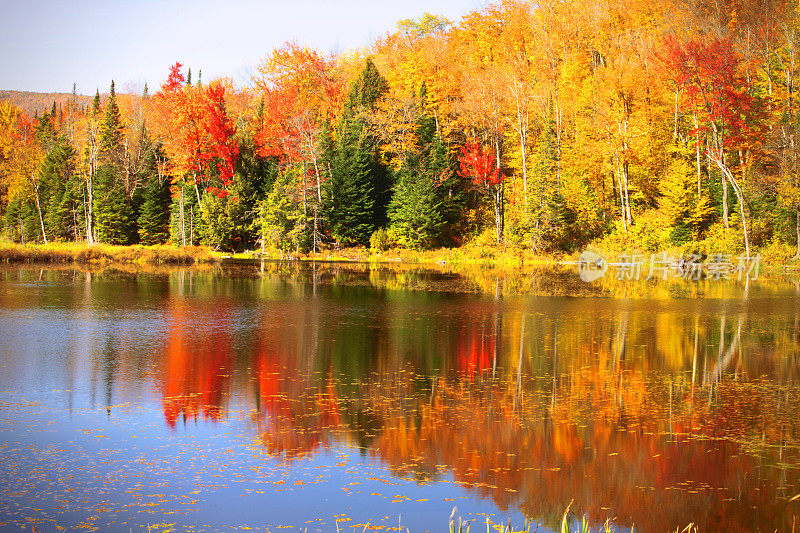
[548, 126]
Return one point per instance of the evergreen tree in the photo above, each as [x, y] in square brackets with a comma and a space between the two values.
[256, 177]
[96, 103]
[226, 222]
[415, 210]
[259, 173]
[72, 209]
[545, 201]
[112, 211]
[427, 202]
[114, 205]
[111, 131]
[22, 218]
[46, 132]
[154, 213]
[359, 188]
[57, 172]
[350, 210]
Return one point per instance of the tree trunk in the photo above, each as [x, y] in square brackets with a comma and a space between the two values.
[627, 196]
[697, 154]
[522, 130]
[724, 201]
[797, 229]
[183, 220]
[316, 174]
[618, 179]
[522, 135]
[93, 149]
[558, 137]
[497, 200]
[740, 198]
[305, 187]
[316, 229]
[90, 209]
[675, 122]
[623, 194]
[39, 208]
[197, 192]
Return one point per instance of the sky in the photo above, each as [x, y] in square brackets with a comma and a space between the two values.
[47, 45]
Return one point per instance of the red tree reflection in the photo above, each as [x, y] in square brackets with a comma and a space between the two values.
[196, 365]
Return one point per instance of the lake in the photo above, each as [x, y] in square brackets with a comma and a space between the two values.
[338, 396]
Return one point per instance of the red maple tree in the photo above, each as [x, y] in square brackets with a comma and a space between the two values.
[480, 164]
[710, 75]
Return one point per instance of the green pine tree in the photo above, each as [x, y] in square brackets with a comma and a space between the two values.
[113, 214]
[154, 213]
[428, 201]
[112, 130]
[46, 132]
[359, 189]
[350, 209]
[22, 218]
[96, 103]
[114, 207]
[545, 202]
[56, 173]
[415, 211]
[227, 222]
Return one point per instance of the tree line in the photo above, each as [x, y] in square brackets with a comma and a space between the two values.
[545, 126]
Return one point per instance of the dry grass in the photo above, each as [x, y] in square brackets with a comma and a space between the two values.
[105, 254]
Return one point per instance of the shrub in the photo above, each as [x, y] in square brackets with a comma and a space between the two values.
[381, 240]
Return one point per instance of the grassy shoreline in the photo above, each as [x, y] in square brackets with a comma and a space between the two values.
[506, 258]
[106, 254]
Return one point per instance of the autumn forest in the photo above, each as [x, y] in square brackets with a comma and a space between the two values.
[545, 127]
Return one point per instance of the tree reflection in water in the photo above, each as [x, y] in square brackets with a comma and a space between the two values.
[657, 419]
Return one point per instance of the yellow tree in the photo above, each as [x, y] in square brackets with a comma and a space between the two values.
[618, 95]
[300, 93]
[20, 155]
[413, 56]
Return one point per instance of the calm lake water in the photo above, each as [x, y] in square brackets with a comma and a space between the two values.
[309, 396]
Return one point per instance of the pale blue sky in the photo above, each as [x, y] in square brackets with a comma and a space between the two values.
[46, 45]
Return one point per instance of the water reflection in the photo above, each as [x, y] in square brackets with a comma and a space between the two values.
[656, 411]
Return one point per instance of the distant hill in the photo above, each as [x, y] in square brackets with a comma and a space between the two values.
[32, 102]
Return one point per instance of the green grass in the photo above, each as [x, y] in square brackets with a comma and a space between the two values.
[579, 525]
